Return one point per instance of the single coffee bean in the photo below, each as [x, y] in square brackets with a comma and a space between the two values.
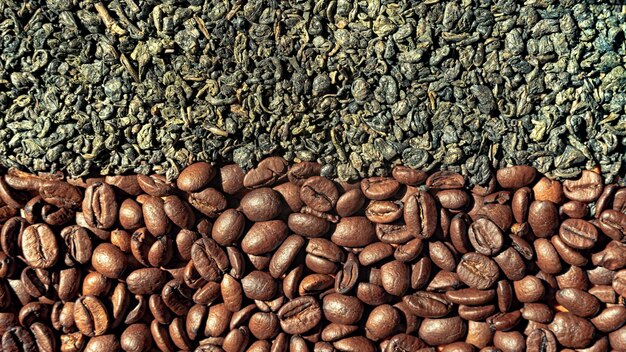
[504, 321]
[454, 199]
[520, 204]
[146, 281]
[611, 257]
[543, 218]
[529, 289]
[585, 189]
[341, 309]
[408, 176]
[572, 331]
[516, 176]
[610, 319]
[420, 215]
[395, 277]
[445, 180]
[541, 340]
[511, 263]
[333, 332]
[259, 285]
[155, 185]
[354, 231]
[195, 177]
[268, 172]
[549, 190]
[209, 202]
[300, 315]
[574, 209]
[379, 188]
[136, 338]
[131, 215]
[567, 253]
[547, 257]
[264, 237]
[441, 331]
[537, 312]
[285, 255]
[613, 224]
[39, 246]
[578, 233]
[578, 302]
[485, 236]
[300, 172]
[427, 304]
[261, 204]
[307, 225]
[100, 208]
[382, 322]
[209, 259]
[350, 203]
[319, 193]
[109, 260]
[179, 212]
[104, 343]
[384, 211]
[229, 179]
[477, 270]
[90, 316]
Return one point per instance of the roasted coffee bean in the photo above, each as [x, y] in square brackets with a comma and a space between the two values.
[537, 312]
[264, 237]
[155, 185]
[574, 209]
[547, 257]
[613, 224]
[261, 204]
[578, 302]
[342, 309]
[354, 231]
[543, 218]
[195, 177]
[572, 331]
[511, 263]
[179, 212]
[585, 189]
[40, 246]
[307, 225]
[515, 176]
[485, 237]
[136, 338]
[427, 305]
[408, 176]
[268, 172]
[445, 180]
[319, 193]
[300, 315]
[578, 233]
[442, 331]
[90, 316]
[529, 289]
[541, 340]
[379, 188]
[610, 319]
[209, 258]
[477, 270]
[209, 202]
[100, 208]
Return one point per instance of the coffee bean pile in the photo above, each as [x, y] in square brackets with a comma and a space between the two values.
[282, 259]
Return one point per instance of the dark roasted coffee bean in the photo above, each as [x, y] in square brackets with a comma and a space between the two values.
[572, 331]
[613, 224]
[384, 211]
[543, 218]
[515, 176]
[382, 322]
[504, 321]
[547, 257]
[136, 338]
[264, 237]
[300, 315]
[319, 193]
[195, 177]
[261, 204]
[179, 212]
[578, 302]
[354, 231]
[485, 237]
[100, 208]
[511, 263]
[420, 215]
[155, 185]
[541, 340]
[395, 277]
[341, 309]
[568, 254]
[300, 172]
[585, 189]
[408, 176]
[268, 172]
[379, 188]
[307, 225]
[529, 289]
[350, 203]
[90, 316]
[578, 233]
[40, 246]
[445, 180]
[209, 258]
[610, 319]
[442, 331]
[477, 270]
[537, 312]
[427, 305]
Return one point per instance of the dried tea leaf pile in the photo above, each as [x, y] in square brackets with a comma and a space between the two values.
[359, 86]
